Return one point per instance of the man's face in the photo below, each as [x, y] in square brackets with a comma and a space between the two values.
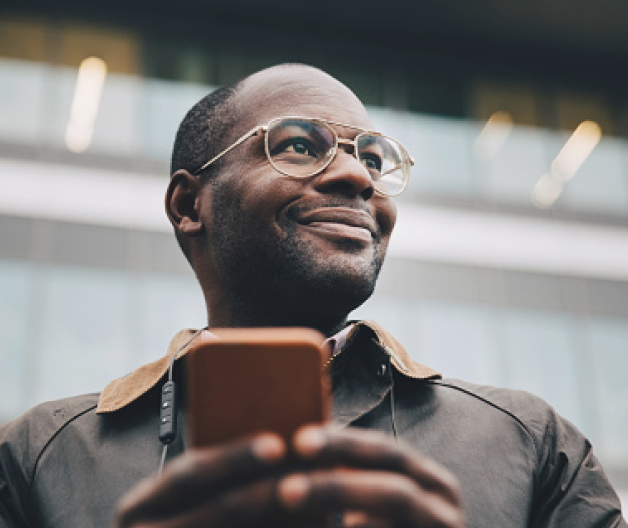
[298, 244]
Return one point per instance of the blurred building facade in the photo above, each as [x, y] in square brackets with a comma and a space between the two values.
[510, 261]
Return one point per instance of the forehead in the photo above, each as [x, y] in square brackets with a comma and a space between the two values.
[297, 91]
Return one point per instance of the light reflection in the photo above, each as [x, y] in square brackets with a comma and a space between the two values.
[89, 84]
[546, 191]
[493, 136]
[577, 149]
[565, 165]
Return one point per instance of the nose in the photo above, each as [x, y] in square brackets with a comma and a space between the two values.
[345, 175]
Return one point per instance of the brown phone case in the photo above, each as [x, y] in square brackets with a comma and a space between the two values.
[252, 380]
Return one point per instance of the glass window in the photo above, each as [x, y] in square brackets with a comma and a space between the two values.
[117, 127]
[542, 359]
[116, 124]
[456, 340]
[165, 103]
[163, 305]
[441, 149]
[15, 331]
[22, 86]
[58, 102]
[396, 315]
[15, 237]
[513, 162]
[83, 338]
[608, 358]
[601, 184]
[453, 338]
[509, 151]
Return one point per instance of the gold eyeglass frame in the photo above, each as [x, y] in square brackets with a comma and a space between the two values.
[338, 141]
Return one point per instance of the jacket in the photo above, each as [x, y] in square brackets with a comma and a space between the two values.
[65, 464]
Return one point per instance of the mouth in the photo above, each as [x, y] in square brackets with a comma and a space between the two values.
[342, 222]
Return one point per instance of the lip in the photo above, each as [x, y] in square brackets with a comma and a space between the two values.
[343, 221]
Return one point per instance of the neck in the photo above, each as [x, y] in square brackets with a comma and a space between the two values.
[245, 315]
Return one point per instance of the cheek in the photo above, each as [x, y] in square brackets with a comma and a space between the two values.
[255, 186]
[386, 216]
[268, 195]
[256, 210]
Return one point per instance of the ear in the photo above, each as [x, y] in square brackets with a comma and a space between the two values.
[183, 203]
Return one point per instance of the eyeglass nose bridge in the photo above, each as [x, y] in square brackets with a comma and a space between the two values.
[334, 152]
[351, 142]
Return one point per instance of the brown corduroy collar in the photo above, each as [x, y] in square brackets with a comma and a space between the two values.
[121, 392]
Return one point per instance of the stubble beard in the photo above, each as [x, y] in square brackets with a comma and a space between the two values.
[287, 277]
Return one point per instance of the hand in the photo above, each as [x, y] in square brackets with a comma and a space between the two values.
[379, 483]
[364, 474]
[231, 486]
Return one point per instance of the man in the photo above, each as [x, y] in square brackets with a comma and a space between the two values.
[284, 229]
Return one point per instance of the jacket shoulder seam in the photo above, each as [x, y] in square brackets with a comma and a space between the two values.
[492, 404]
[52, 437]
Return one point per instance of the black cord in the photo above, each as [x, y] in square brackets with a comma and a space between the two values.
[392, 409]
[164, 452]
[176, 354]
[168, 407]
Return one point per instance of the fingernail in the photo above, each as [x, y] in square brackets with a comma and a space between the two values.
[292, 490]
[309, 441]
[268, 448]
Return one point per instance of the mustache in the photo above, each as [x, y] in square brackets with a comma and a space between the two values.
[299, 209]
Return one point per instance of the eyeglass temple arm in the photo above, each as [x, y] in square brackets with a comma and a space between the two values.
[397, 167]
[250, 133]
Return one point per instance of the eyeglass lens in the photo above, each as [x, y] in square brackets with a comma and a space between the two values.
[300, 148]
[385, 161]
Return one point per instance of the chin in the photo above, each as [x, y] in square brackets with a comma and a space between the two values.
[348, 296]
[342, 283]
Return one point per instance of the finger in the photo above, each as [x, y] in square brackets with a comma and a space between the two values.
[373, 450]
[354, 519]
[199, 474]
[381, 495]
[252, 505]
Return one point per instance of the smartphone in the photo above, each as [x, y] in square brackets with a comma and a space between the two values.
[245, 381]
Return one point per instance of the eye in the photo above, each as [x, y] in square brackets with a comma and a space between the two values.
[296, 146]
[371, 161]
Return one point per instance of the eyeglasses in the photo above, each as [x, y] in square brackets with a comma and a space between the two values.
[301, 147]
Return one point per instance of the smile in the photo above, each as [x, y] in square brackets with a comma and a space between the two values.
[341, 222]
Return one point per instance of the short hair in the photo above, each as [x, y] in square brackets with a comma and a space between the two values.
[199, 136]
[198, 139]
